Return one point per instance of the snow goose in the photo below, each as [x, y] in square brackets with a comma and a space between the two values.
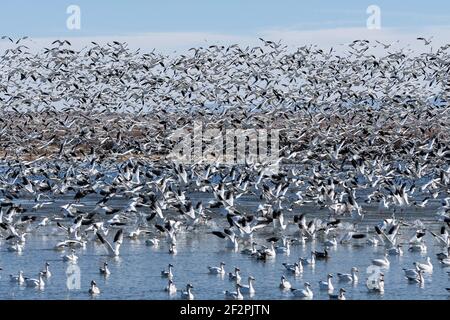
[419, 278]
[70, 257]
[395, 251]
[411, 274]
[251, 250]
[286, 249]
[118, 239]
[19, 278]
[248, 289]
[153, 242]
[35, 283]
[296, 269]
[173, 248]
[94, 290]
[349, 277]
[326, 285]
[171, 288]
[284, 283]
[330, 242]
[378, 286]
[234, 295]
[217, 270]
[426, 267]
[167, 273]
[303, 293]
[321, 255]
[310, 261]
[232, 238]
[340, 296]
[383, 263]
[188, 295]
[46, 272]
[105, 270]
[441, 239]
[236, 276]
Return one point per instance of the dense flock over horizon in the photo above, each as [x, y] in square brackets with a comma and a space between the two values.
[359, 133]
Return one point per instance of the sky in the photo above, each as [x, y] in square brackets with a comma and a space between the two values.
[176, 24]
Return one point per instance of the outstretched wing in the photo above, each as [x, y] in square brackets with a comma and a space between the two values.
[106, 243]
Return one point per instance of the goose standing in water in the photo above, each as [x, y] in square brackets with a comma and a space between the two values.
[188, 295]
[285, 249]
[173, 248]
[412, 274]
[331, 242]
[309, 261]
[72, 258]
[234, 295]
[296, 269]
[46, 272]
[94, 290]
[349, 277]
[383, 263]
[105, 270]
[340, 296]
[426, 267]
[236, 276]
[251, 250]
[378, 286]
[217, 270]
[327, 285]
[303, 293]
[395, 251]
[249, 289]
[418, 279]
[35, 283]
[19, 278]
[284, 283]
[171, 288]
[168, 273]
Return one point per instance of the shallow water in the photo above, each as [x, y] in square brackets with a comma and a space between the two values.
[136, 273]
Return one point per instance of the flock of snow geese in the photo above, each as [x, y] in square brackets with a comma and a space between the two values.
[359, 133]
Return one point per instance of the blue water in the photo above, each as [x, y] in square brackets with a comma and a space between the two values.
[136, 273]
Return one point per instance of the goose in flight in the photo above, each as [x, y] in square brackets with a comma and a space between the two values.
[118, 239]
[232, 239]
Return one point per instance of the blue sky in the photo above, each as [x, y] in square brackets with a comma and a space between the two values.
[183, 23]
[46, 18]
